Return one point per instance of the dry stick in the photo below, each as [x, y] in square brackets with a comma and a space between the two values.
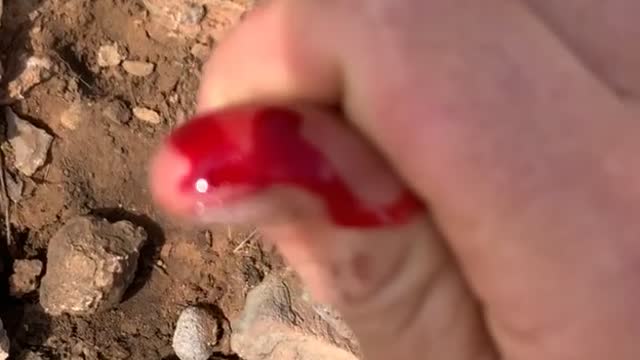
[246, 240]
[6, 199]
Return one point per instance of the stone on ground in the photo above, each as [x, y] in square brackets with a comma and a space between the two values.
[109, 56]
[74, 115]
[138, 68]
[278, 324]
[5, 344]
[147, 115]
[196, 334]
[117, 112]
[90, 264]
[34, 71]
[30, 144]
[24, 279]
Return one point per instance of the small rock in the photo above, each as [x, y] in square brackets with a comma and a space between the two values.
[74, 115]
[15, 187]
[30, 144]
[200, 51]
[196, 334]
[117, 112]
[25, 277]
[147, 115]
[109, 55]
[5, 344]
[30, 355]
[192, 14]
[138, 68]
[90, 264]
[277, 323]
[35, 70]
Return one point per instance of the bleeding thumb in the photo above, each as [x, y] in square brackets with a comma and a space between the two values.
[338, 213]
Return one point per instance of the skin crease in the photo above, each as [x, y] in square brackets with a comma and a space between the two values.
[515, 121]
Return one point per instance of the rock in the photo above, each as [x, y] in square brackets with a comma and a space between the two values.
[138, 68]
[34, 71]
[31, 355]
[147, 115]
[200, 51]
[25, 277]
[5, 344]
[196, 334]
[117, 112]
[90, 264]
[277, 323]
[15, 187]
[109, 55]
[176, 15]
[74, 115]
[30, 144]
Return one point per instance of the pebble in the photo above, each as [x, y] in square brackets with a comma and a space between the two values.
[196, 334]
[138, 68]
[147, 115]
[5, 344]
[109, 55]
[117, 112]
[25, 276]
[30, 144]
[74, 115]
[296, 329]
[90, 264]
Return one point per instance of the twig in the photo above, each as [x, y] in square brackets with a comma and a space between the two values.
[246, 240]
[209, 236]
[73, 73]
[6, 200]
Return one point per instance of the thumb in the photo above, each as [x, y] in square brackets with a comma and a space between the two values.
[358, 238]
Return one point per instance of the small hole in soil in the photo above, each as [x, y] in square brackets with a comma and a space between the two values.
[87, 81]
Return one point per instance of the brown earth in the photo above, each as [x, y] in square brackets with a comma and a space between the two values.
[100, 168]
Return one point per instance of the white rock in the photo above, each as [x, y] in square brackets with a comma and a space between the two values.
[5, 344]
[196, 334]
[147, 115]
[35, 70]
[138, 68]
[74, 115]
[109, 55]
[30, 144]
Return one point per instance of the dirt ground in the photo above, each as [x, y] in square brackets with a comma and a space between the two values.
[100, 168]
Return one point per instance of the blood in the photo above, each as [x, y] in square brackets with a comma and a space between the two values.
[257, 148]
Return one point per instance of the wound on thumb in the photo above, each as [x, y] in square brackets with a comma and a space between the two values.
[266, 164]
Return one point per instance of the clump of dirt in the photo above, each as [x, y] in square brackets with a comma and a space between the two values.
[97, 166]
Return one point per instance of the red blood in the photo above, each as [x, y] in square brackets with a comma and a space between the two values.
[263, 147]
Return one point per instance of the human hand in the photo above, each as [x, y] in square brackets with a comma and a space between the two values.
[513, 121]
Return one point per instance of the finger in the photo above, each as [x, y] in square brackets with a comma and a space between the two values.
[287, 39]
[486, 114]
[340, 217]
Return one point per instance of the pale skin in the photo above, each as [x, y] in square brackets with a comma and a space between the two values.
[517, 122]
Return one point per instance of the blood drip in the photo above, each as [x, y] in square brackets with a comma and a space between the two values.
[263, 147]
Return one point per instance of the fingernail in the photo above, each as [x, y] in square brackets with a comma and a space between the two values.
[239, 153]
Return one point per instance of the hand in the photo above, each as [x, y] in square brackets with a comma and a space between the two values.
[515, 121]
